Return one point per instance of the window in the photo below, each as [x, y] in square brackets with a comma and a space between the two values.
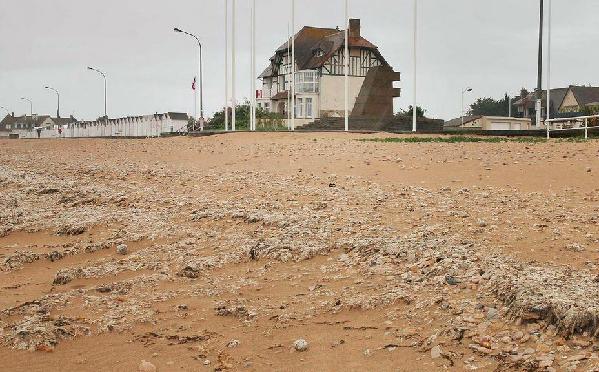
[309, 108]
[299, 108]
[307, 82]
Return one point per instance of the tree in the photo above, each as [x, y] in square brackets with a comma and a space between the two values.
[491, 107]
[268, 120]
[410, 111]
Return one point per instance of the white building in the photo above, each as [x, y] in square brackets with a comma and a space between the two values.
[131, 126]
[320, 80]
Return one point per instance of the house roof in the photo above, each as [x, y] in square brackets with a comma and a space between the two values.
[585, 95]
[33, 121]
[557, 97]
[309, 40]
[178, 116]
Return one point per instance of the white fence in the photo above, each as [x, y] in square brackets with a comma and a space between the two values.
[568, 124]
[135, 126]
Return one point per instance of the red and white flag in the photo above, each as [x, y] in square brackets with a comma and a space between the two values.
[193, 85]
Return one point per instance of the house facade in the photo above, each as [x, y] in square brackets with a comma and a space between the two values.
[581, 99]
[320, 77]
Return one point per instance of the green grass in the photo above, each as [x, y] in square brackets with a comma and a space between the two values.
[468, 139]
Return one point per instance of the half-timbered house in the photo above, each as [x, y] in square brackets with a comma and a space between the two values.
[320, 77]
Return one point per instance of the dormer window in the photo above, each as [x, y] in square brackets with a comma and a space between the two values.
[318, 52]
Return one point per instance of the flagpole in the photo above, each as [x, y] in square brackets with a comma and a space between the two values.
[346, 67]
[549, 60]
[293, 65]
[226, 111]
[415, 106]
[233, 68]
[253, 76]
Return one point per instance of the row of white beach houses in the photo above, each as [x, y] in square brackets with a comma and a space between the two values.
[132, 126]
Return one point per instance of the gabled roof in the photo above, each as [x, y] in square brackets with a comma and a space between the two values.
[34, 121]
[557, 97]
[309, 40]
[585, 95]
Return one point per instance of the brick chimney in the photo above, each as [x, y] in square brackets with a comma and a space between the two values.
[354, 28]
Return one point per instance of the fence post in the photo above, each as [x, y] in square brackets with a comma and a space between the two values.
[586, 128]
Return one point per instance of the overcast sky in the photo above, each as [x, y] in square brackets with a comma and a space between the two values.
[490, 45]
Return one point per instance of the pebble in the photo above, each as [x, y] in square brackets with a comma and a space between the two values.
[436, 352]
[122, 249]
[233, 344]
[300, 345]
[146, 367]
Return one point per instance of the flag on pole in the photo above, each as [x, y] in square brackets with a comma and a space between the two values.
[193, 85]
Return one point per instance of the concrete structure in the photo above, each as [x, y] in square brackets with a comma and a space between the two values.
[498, 123]
[320, 77]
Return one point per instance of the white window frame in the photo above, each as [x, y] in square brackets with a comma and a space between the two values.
[309, 102]
[307, 81]
[299, 108]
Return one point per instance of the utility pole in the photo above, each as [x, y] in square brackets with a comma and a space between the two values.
[540, 68]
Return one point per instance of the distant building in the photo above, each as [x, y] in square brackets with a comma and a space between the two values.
[29, 124]
[132, 126]
[489, 123]
[581, 100]
[564, 102]
[320, 70]
[526, 104]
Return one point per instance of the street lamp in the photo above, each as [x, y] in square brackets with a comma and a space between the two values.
[462, 110]
[201, 96]
[58, 95]
[30, 105]
[105, 93]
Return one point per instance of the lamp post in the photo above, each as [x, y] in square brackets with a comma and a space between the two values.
[462, 108]
[58, 95]
[201, 95]
[105, 89]
[30, 105]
